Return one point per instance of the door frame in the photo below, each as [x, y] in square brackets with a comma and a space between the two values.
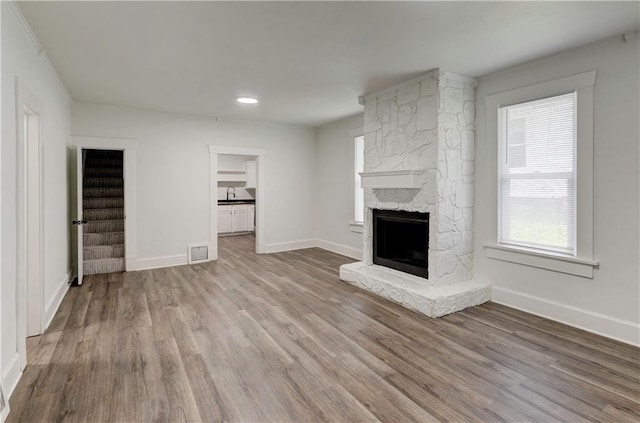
[29, 291]
[75, 198]
[128, 147]
[259, 154]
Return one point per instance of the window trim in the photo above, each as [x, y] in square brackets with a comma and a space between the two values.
[583, 85]
[353, 225]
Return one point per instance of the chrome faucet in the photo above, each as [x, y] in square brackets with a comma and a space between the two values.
[233, 192]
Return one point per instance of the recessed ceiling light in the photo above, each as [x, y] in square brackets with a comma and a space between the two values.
[247, 100]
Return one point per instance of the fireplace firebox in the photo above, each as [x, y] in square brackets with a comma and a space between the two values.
[401, 241]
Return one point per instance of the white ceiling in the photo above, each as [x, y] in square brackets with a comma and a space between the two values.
[307, 62]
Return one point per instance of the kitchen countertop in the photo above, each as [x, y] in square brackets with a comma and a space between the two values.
[230, 202]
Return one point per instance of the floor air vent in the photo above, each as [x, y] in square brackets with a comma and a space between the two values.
[198, 253]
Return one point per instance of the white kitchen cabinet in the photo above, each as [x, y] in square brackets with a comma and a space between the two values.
[251, 175]
[236, 218]
[225, 220]
[240, 213]
[251, 217]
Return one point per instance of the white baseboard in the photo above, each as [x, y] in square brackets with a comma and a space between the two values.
[5, 412]
[278, 247]
[610, 327]
[339, 249]
[130, 263]
[56, 300]
[157, 262]
[11, 376]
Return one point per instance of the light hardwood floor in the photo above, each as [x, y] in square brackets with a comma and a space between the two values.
[279, 337]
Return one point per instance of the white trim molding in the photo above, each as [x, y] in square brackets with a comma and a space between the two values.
[261, 194]
[29, 291]
[11, 376]
[541, 90]
[103, 143]
[56, 300]
[344, 250]
[4, 411]
[278, 247]
[600, 324]
[240, 151]
[583, 263]
[158, 262]
[548, 261]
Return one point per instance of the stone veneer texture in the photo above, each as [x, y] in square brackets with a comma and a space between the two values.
[426, 123]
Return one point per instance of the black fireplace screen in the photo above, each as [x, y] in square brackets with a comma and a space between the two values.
[401, 241]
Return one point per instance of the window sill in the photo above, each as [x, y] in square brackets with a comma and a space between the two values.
[548, 261]
[356, 227]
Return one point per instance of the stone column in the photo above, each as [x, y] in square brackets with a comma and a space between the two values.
[426, 123]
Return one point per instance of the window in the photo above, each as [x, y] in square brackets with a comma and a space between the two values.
[358, 192]
[540, 152]
[537, 174]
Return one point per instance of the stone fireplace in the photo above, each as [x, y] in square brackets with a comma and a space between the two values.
[419, 160]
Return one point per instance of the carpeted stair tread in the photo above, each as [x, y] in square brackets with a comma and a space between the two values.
[106, 154]
[102, 226]
[110, 265]
[105, 213]
[104, 238]
[98, 252]
[103, 172]
[114, 163]
[103, 203]
[98, 182]
[100, 192]
[103, 208]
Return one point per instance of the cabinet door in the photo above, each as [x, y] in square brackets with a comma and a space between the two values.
[224, 219]
[251, 218]
[240, 218]
[251, 175]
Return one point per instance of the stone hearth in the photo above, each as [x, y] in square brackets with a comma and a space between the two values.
[425, 126]
[411, 291]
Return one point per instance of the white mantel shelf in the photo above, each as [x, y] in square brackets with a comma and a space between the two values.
[410, 179]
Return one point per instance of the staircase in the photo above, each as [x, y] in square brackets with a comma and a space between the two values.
[103, 209]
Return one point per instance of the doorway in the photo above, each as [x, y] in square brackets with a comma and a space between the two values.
[29, 220]
[236, 195]
[32, 250]
[102, 196]
[102, 211]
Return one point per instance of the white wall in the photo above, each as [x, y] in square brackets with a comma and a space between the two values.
[20, 58]
[610, 302]
[173, 175]
[333, 186]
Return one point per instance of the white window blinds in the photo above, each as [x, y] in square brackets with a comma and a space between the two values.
[358, 194]
[537, 174]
